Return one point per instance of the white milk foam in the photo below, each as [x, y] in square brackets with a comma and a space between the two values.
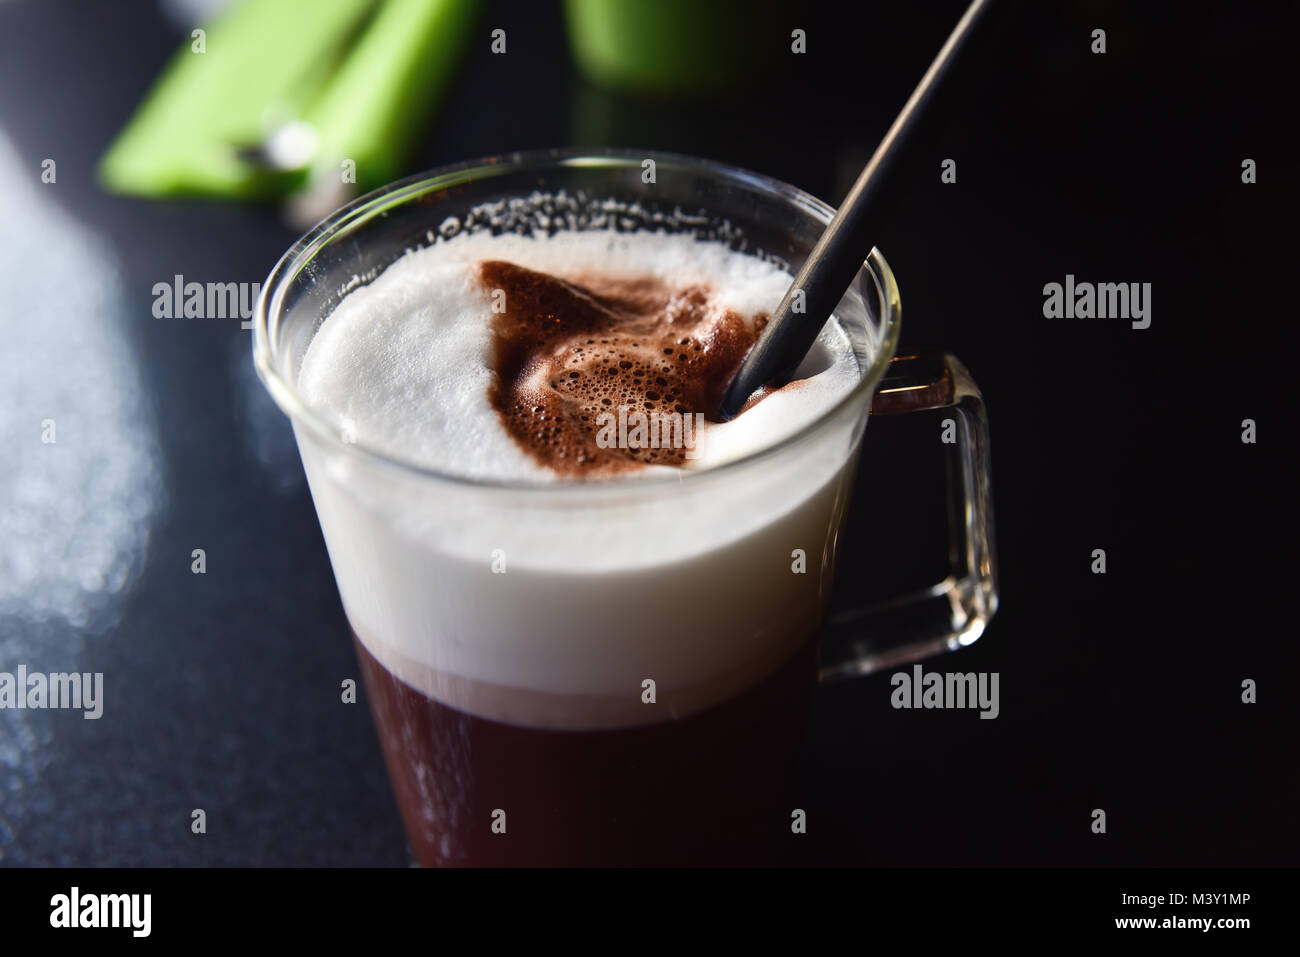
[549, 607]
[404, 362]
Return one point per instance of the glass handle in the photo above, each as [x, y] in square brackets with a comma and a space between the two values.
[954, 612]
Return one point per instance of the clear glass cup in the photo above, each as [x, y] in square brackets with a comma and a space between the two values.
[612, 672]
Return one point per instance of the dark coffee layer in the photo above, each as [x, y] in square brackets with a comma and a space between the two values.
[566, 352]
[708, 789]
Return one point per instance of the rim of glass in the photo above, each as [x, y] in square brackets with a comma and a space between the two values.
[378, 202]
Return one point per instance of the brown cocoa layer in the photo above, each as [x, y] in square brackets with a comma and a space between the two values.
[564, 352]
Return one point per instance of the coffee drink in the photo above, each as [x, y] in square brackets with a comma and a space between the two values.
[586, 619]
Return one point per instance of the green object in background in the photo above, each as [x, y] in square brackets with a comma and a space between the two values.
[284, 92]
[669, 47]
[383, 95]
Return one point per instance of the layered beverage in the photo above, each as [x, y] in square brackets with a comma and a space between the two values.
[585, 609]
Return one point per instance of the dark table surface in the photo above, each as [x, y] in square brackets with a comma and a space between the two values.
[1119, 691]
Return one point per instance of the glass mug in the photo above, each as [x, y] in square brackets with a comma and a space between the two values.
[612, 672]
